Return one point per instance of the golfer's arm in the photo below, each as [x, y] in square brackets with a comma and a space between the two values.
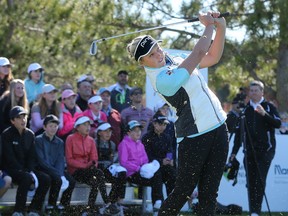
[199, 50]
[216, 50]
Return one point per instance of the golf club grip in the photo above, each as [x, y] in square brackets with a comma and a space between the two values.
[197, 19]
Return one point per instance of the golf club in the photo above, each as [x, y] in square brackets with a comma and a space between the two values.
[93, 48]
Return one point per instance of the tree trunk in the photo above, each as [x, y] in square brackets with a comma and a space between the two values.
[282, 67]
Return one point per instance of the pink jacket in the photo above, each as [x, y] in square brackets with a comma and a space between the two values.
[68, 120]
[132, 155]
[80, 152]
[103, 118]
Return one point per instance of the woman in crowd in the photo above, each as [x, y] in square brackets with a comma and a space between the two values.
[47, 104]
[16, 96]
[5, 74]
[200, 127]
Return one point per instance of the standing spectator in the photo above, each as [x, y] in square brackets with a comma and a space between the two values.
[16, 96]
[94, 113]
[5, 74]
[70, 112]
[262, 118]
[47, 104]
[19, 160]
[133, 157]
[50, 153]
[84, 87]
[137, 111]
[120, 96]
[34, 82]
[82, 160]
[158, 146]
[113, 116]
[107, 162]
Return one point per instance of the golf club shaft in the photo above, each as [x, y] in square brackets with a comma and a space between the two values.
[195, 19]
[93, 47]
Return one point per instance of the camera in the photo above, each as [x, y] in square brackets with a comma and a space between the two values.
[240, 98]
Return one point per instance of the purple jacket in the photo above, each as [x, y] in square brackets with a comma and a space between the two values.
[132, 155]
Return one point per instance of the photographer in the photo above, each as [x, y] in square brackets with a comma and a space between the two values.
[261, 119]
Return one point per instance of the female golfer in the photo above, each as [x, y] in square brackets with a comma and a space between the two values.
[200, 128]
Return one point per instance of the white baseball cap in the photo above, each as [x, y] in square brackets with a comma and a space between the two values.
[94, 99]
[82, 120]
[33, 67]
[48, 88]
[4, 61]
[103, 126]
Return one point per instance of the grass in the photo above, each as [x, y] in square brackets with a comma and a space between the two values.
[133, 211]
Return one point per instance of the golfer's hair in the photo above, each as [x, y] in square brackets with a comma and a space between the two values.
[257, 83]
[133, 44]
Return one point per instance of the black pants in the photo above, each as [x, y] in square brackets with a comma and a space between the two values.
[256, 189]
[95, 178]
[155, 182]
[168, 175]
[24, 181]
[118, 185]
[56, 183]
[201, 161]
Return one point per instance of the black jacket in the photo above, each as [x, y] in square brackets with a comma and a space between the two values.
[18, 150]
[156, 146]
[260, 130]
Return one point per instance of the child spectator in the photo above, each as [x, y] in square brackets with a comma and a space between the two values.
[50, 152]
[82, 161]
[34, 82]
[19, 161]
[94, 113]
[48, 104]
[5, 74]
[108, 157]
[70, 112]
[113, 116]
[158, 146]
[133, 157]
[16, 96]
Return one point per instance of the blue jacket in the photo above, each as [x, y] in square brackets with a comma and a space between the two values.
[50, 154]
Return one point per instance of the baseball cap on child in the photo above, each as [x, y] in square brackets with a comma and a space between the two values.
[132, 124]
[17, 111]
[82, 120]
[51, 118]
[158, 117]
[94, 99]
[67, 93]
[33, 67]
[48, 88]
[102, 90]
[103, 126]
[148, 170]
[4, 61]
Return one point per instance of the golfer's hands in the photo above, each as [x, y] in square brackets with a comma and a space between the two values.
[219, 22]
[207, 19]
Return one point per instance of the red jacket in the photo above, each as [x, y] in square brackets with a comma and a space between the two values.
[80, 152]
[68, 120]
[103, 118]
[114, 119]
